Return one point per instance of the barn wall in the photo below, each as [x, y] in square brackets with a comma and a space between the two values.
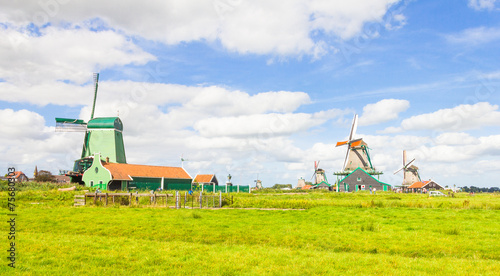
[178, 184]
[144, 183]
[364, 179]
[152, 183]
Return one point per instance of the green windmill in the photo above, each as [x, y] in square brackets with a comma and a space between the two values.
[102, 135]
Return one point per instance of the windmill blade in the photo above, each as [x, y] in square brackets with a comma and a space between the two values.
[317, 165]
[70, 125]
[346, 157]
[409, 163]
[96, 81]
[341, 143]
[399, 170]
[314, 174]
[353, 127]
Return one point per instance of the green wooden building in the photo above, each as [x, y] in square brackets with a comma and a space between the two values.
[360, 180]
[107, 175]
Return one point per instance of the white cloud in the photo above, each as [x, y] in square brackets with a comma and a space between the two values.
[26, 140]
[455, 138]
[346, 19]
[482, 4]
[262, 125]
[63, 54]
[22, 124]
[238, 25]
[383, 111]
[462, 117]
[475, 36]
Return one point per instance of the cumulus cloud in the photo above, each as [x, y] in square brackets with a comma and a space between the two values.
[455, 138]
[237, 25]
[25, 139]
[482, 4]
[63, 54]
[273, 124]
[21, 124]
[382, 111]
[462, 117]
[346, 19]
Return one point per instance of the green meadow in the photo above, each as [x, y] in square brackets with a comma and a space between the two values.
[316, 233]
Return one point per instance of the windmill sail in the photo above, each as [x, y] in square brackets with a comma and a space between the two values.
[70, 125]
[96, 81]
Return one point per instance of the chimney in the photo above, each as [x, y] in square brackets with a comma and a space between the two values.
[107, 159]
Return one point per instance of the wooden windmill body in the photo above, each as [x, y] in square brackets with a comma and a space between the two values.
[410, 172]
[357, 154]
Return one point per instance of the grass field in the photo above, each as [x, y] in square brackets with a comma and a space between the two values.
[337, 234]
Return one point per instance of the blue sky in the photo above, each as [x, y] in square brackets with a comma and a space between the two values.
[258, 88]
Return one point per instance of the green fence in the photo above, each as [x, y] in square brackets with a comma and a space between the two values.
[229, 189]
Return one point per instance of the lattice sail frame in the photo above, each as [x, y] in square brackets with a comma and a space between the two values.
[70, 125]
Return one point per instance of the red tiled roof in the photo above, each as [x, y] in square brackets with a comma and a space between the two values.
[16, 175]
[121, 171]
[306, 187]
[204, 178]
[418, 185]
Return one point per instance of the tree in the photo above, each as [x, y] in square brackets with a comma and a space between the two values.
[281, 186]
[44, 176]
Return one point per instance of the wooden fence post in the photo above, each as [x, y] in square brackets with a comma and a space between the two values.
[95, 198]
[201, 200]
[130, 200]
[106, 199]
[166, 200]
[220, 198]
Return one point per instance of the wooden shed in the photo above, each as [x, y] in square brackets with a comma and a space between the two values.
[427, 185]
[360, 180]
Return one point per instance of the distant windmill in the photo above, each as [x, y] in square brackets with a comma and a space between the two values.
[102, 135]
[319, 174]
[410, 172]
[258, 183]
[182, 160]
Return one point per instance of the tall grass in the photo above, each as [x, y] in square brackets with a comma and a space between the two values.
[323, 240]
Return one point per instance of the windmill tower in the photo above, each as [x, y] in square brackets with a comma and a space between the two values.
[182, 160]
[319, 174]
[410, 172]
[357, 154]
[103, 135]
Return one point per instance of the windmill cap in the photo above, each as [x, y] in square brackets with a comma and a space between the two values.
[106, 122]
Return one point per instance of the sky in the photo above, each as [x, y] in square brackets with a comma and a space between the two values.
[257, 89]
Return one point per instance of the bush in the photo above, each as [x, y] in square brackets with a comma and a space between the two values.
[35, 186]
